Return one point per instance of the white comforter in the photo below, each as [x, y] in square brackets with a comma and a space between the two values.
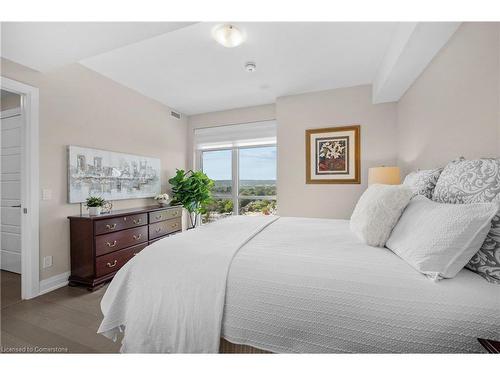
[308, 285]
[170, 297]
[296, 285]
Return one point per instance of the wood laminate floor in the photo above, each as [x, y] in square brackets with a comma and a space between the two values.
[63, 321]
[11, 288]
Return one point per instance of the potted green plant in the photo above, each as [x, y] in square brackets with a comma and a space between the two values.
[94, 205]
[192, 190]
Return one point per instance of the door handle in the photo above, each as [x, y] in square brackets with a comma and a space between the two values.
[16, 206]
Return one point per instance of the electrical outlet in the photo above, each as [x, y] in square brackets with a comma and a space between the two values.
[46, 194]
[47, 261]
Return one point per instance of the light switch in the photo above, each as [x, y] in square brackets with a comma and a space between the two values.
[46, 194]
[47, 261]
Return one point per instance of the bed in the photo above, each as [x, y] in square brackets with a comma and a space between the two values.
[291, 285]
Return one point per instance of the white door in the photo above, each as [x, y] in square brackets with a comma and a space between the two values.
[11, 123]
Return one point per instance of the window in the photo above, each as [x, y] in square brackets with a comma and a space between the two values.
[241, 159]
[257, 181]
[218, 166]
[245, 181]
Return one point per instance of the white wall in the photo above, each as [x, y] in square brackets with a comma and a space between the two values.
[453, 108]
[330, 108]
[295, 114]
[81, 107]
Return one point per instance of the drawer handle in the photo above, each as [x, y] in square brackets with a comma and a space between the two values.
[175, 213]
[175, 225]
[109, 244]
[158, 230]
[124, 218]
[108, 226]
[158, 217]
[137, 221]
[111, 265]
[137, 237]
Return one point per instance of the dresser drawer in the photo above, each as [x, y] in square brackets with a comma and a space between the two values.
[164, 227]
[107, 243]
[119, 223]
[171, 213]
[161, 238]
[113, 262]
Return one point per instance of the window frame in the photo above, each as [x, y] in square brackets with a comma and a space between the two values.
[235, 173]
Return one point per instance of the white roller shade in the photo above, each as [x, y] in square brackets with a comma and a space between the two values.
[249, 134]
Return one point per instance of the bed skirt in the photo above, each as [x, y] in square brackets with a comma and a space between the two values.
[227, 347]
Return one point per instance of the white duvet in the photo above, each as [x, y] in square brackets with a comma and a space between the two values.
[170, 297]
[295, 285]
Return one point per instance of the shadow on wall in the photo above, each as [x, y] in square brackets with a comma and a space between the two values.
[418, 159]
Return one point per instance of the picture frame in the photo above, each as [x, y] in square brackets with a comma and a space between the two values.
[111, 175]
[333, 155]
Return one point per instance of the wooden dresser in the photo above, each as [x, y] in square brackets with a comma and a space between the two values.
[101, 245]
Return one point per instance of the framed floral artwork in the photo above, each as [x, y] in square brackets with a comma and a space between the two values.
[333, 155]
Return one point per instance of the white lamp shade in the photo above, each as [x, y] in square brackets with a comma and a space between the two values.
[384, 175]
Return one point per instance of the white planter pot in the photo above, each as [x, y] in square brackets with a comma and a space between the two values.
[94, 211]
[163, 202]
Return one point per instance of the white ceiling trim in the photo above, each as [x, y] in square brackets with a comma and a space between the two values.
[413, 47]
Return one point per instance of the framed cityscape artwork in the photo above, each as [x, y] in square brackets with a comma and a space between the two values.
[111, 175]
[333, 155]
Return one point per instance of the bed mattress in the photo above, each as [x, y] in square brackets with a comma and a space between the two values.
[309, 286]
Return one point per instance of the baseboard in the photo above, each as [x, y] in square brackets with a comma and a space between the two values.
[54, 282]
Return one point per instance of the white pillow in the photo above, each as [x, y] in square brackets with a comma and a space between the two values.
[377, 211]
[438, 239]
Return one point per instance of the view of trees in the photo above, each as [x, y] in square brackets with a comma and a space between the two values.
[258, 190]
[251, 184]
[247, 187]
[222, 187]
[223, 206]
[264, 206]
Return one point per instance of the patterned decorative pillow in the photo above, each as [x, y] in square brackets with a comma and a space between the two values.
[423, 182]
[472, 181]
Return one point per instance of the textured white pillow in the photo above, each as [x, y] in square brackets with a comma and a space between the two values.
[377, 211]
[438, 239]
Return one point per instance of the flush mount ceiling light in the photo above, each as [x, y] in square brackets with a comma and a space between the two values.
[228, 35]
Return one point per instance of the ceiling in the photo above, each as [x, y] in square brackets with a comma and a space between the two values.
[180, 65]
[192, 73]
[48, 45]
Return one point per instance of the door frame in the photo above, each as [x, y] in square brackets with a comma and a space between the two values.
[30, 251]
